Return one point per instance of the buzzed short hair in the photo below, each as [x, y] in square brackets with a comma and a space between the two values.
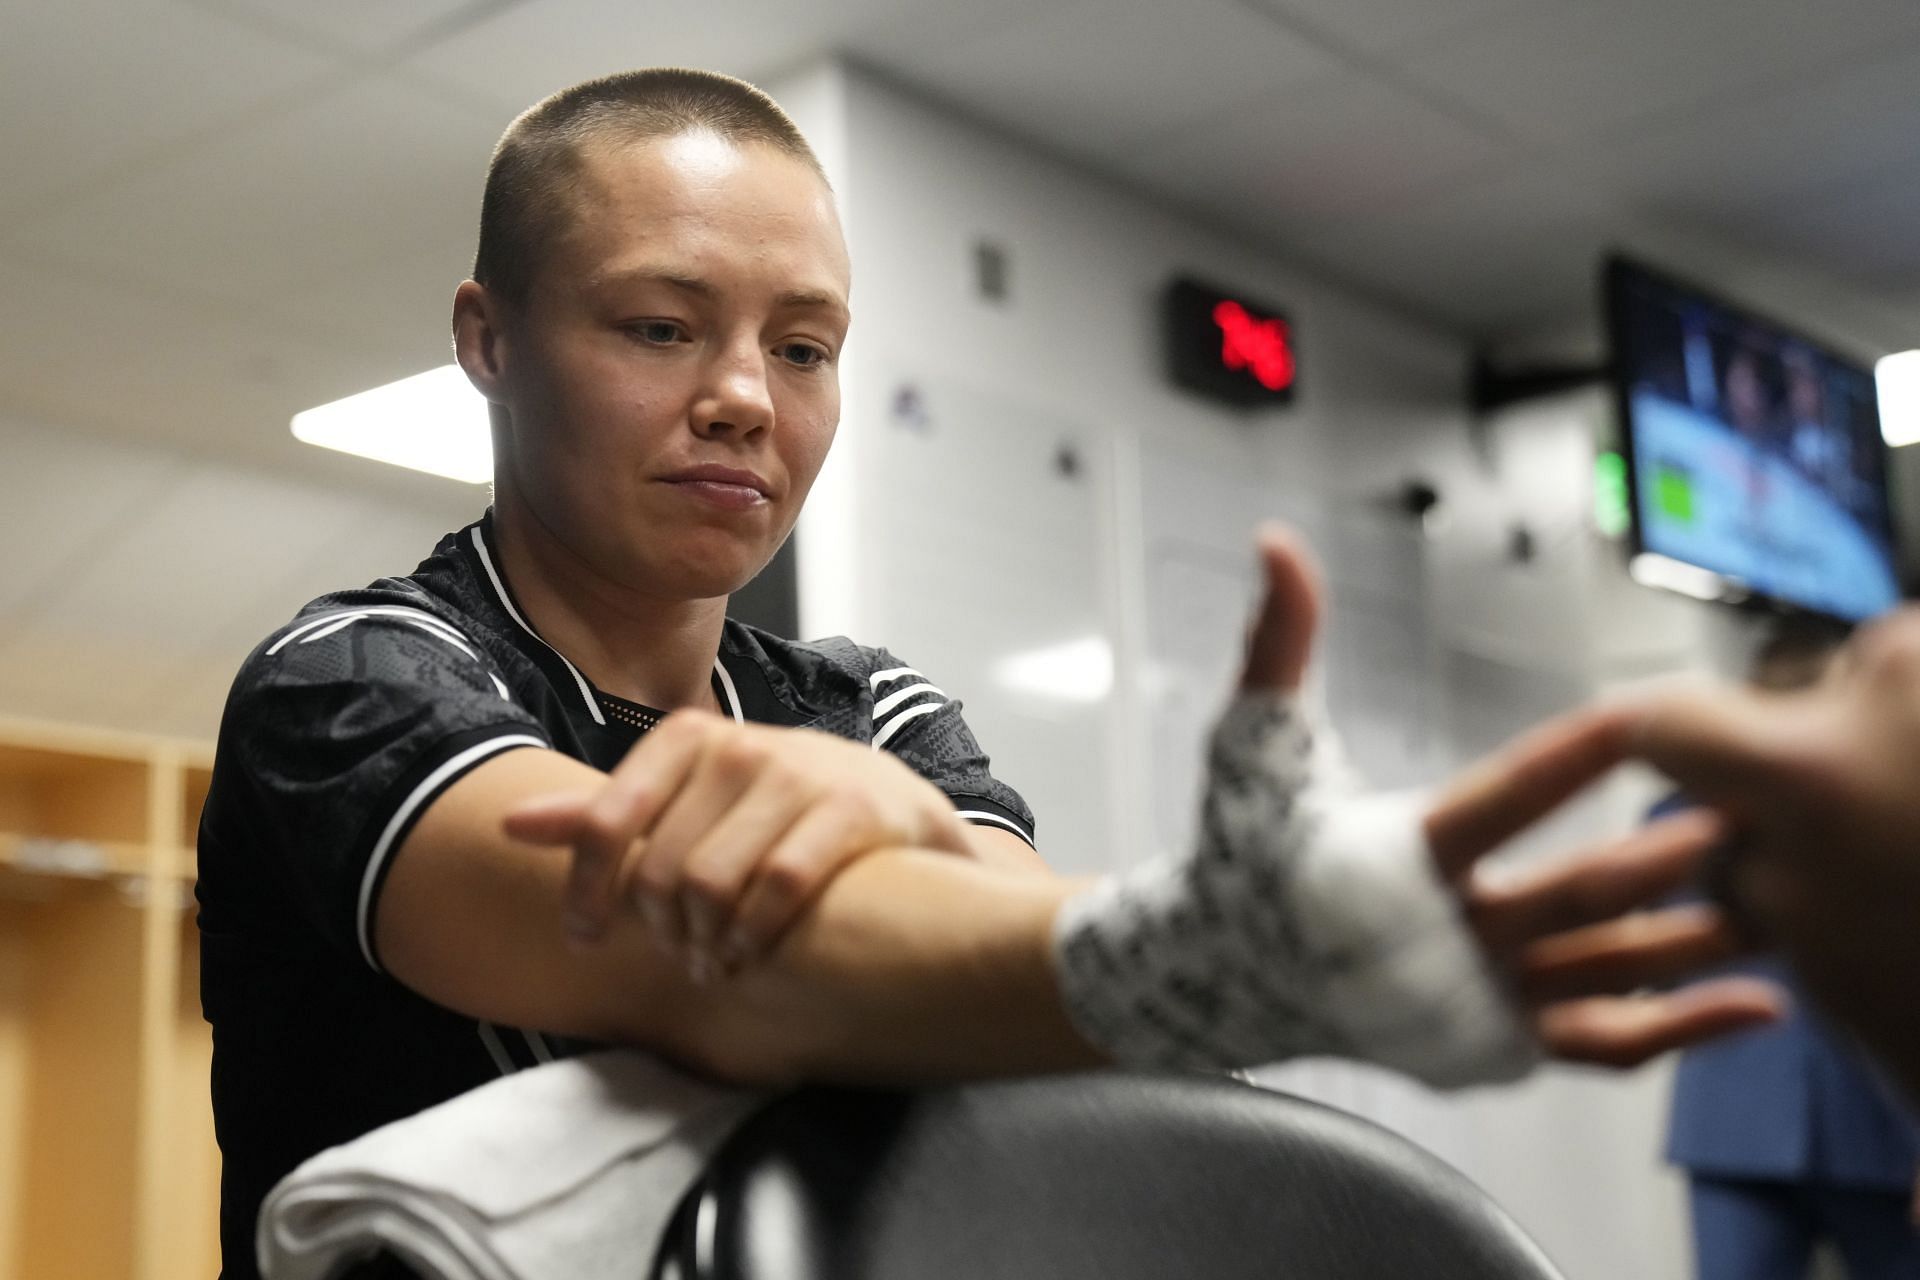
[533, 181]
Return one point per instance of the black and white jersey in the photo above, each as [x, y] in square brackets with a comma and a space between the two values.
[341, 728]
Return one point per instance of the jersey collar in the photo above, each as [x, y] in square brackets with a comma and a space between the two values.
[561, 672]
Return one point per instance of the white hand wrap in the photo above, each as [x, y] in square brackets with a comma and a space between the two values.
[1310, 920]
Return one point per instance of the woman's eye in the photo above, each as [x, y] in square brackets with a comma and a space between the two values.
[802, 353]
[659, 332]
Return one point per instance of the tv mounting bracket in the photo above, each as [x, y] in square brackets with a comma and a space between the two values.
[1491, 387]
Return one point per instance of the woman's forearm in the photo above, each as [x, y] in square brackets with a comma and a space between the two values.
[909, 967]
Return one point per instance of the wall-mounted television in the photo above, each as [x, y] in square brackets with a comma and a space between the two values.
[1755, 463]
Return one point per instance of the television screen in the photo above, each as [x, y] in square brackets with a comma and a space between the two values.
[1754, 455]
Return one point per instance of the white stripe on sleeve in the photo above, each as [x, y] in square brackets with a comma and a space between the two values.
[419, 618]
[982, 817]
[893, 700]
[899, 722]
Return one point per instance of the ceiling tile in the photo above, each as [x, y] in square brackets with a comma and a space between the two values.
[1102, 77]
[138, 368]
[1322, 151]
[399, 303]
[149, 622]
[1483, 258]
[192, 556]
[82, 351]
[1518, 254]
[1372, 25]
[340, 179]
[1569, 70]
[528, 51]
[914, 31]
[351, 26]
[64, 494]
[108, 83]
[1480, 289]
[1862, 230]
[1745, 154]
[227, 552]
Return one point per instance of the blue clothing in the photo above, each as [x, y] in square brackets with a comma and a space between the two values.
[1794, 1102]
[1789, 1137]
[1746, 1230]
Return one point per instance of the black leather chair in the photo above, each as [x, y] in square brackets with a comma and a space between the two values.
[1096, 1177]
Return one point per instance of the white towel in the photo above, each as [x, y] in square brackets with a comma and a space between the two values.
[568, 1171]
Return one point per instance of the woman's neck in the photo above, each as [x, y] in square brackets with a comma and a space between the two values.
[654, 651]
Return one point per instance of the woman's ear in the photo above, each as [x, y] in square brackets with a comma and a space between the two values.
[479, 339]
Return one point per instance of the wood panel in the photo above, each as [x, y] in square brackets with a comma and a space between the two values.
[82, 1089]
[188, 1245]
[108, 1168]
[159, 971]
[196, 781]
[15, 1047]
[57, 795]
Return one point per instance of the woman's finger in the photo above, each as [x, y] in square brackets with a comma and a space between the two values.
[714, 875]
[1282, 636]
[623, 811]
[550, 819]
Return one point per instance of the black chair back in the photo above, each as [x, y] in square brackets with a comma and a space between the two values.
[1093, 1177]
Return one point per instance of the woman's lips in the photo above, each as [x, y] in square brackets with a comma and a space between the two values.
[727, 495]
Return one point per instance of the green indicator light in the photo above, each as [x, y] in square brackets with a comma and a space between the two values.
[1673, 494]
[1610, 511]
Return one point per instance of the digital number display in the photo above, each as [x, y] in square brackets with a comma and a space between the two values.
[1228, 347]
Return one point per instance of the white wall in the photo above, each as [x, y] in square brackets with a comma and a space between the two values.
[1076, 346]
[957, 406]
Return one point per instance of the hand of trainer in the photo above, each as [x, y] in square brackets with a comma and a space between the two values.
[1823, 788]
[719, 833]
[1578, 941]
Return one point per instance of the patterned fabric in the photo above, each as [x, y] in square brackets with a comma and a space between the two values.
[1308, 920]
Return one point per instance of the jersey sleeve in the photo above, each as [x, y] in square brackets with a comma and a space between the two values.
[917, 721]
[345, 727]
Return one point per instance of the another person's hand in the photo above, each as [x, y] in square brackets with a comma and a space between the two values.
[1581, 939]
[720, 833]
[1574, 940]
[1822, 789]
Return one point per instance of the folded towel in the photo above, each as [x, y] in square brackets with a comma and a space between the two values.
[568, 1171]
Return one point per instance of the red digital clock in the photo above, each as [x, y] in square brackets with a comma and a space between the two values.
[1225, 346]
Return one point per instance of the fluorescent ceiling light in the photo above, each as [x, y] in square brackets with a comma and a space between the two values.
[1898, 377]
[1077, 671]
[433, 422]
